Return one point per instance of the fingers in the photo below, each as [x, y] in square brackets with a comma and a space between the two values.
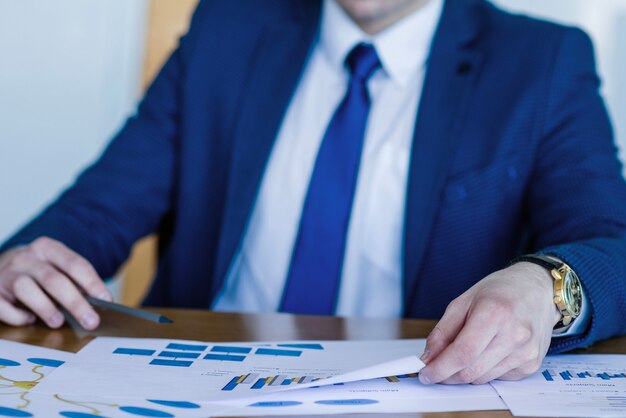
[31, 295]
[520, 372]
[43, 273]
[494, 354]
[479, 330]
[446, 330]
[63, 290]
[520, 364]
[14, 316]
[73, 265]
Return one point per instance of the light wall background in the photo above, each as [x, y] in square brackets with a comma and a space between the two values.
[71, 71]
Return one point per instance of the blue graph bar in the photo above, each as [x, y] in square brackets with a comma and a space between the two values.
[232, 384]
[187, 347]
[224, 357]
[176, 363]
[178, 354]
[259, 383]
[566, 375]
[546, 374]
[275, 352]
[225, 349]
[604, 376]
[307, 346]
[134, 351]
[286, 382]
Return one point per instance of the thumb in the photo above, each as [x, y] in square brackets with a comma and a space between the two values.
[446, 329]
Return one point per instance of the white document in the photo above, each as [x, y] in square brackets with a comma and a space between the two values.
[23, 367]
[570, 385]
[43, 405]
[206, 372]
[393, 394]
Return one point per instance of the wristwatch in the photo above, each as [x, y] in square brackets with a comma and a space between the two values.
[567, 287]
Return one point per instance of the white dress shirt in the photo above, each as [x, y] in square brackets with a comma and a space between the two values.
[371, 281]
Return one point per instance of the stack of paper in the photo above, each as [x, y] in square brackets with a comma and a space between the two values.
[114, 377]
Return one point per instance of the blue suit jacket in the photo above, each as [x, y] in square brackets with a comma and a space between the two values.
[512, 153]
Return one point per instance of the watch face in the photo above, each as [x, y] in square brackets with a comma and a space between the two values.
[572, 293]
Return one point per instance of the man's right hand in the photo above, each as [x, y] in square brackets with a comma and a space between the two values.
[45, 272]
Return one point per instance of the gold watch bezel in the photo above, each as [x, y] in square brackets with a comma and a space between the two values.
[567, 293]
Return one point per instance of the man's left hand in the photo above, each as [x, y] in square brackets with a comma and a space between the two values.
[499, 329]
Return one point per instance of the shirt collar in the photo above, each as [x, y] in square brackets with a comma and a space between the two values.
[403, 48]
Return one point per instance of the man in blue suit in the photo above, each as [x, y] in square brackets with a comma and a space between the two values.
[358, 157]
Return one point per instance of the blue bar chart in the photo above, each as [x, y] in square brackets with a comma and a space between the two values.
[185, 355]
[551, 375]
[254, 381]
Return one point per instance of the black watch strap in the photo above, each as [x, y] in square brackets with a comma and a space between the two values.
[540, 259]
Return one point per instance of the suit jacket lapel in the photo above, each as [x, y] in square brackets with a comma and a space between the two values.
[275, 72]
[452, 69]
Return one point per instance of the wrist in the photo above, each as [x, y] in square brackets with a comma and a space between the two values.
[567, 295]
[545, 282]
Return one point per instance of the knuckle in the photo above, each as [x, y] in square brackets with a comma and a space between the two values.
[79, 268]
[49, 278]
[454, 306]
[21, 259]
[20, 285]
[469, 374]
[74, 264]
[521, 334]
[466, 353]
[434, 336]
[42, 244]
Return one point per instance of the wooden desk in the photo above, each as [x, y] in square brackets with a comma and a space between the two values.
[211, 326]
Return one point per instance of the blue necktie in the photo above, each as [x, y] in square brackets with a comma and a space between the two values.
[317, 259]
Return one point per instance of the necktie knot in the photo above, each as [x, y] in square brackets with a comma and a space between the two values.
[362, 61]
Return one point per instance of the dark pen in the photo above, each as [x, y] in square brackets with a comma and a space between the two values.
[139, 313]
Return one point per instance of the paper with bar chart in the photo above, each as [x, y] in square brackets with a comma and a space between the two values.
[570, 385]
[392, 394]
[209, 372]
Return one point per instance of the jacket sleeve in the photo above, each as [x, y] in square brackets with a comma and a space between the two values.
[577, 195]
[126, 193]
